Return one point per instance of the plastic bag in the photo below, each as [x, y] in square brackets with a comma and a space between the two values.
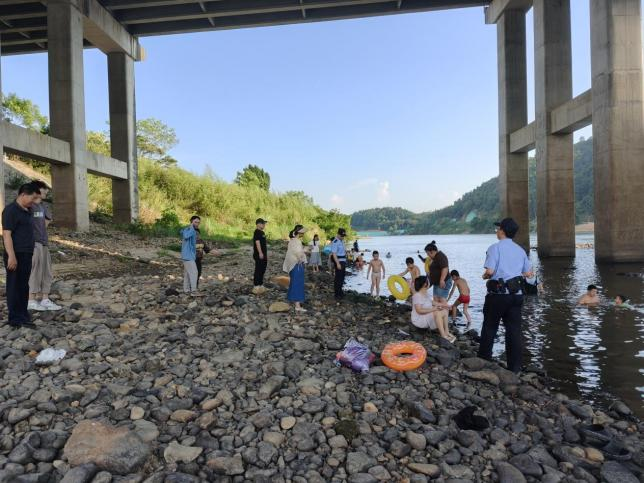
[355, 356]
[50, 356]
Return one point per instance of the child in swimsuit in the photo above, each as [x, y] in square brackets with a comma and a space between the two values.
[377, 270]
[413, 270]
[463, 296]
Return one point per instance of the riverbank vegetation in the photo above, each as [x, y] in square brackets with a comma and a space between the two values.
[169, 194]
[475, 211]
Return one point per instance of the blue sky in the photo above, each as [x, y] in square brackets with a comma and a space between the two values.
[386, 111]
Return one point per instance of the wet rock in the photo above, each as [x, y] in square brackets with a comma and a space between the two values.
[116, 450]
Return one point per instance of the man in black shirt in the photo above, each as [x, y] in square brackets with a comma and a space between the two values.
[260, 255]
[18, 237]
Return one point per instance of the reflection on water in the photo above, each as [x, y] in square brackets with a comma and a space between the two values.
[592, 353]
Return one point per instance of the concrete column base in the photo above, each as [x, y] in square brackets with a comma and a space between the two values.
[618, 129]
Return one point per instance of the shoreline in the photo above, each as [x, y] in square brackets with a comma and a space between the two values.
[221, 387]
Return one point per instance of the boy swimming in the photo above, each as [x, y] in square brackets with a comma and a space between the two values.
[591, 297]
[377, 271]
[463, 296]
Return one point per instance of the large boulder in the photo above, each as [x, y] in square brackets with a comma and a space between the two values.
[117, 450]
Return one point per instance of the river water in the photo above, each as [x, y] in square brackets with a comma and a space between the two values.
[594, 354]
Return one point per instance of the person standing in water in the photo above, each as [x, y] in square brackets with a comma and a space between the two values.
[463, 296]
[260, 255]
[377, 271]
[294, 263]
[505, 265]
[439, 276]
[316, 260]
[591, 297]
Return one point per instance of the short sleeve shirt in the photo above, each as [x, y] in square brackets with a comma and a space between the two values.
[438, 264]
[338, 248]
[40, 214]
[261, 236]
[20, 222]
[507, 259]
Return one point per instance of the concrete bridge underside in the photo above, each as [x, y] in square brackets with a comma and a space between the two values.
[614, 104]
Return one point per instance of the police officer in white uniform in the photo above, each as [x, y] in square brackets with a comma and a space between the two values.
[505, 266]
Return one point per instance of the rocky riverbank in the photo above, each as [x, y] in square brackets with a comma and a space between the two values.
[159, 387]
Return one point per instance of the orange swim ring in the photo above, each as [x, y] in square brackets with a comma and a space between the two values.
[403, 356]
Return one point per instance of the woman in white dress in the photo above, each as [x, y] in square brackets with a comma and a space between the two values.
[424, 314]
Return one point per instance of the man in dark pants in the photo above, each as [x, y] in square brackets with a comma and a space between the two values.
[339, 257]
[19, 241]
[260, 255]
[505, 265]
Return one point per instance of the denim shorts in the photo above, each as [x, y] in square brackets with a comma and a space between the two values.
[443, 292]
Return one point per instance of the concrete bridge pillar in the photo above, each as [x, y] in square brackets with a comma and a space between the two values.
[554, 152]
[513, 115]
[67, 111]
[125, 196]
[618, 129]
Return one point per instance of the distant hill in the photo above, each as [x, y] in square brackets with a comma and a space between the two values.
[475, 211]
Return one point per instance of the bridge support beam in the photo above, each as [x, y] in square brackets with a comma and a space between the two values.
[513, 115]
[618, 129]
[125, 200]
[67, 112]
[554, 152]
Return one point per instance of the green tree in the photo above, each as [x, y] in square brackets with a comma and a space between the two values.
[253, 175]
[154, 139]
[24, 113]
[98, 142]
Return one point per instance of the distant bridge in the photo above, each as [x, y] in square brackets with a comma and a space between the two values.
[614, 104]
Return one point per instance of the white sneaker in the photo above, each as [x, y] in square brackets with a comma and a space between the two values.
[35, 305]
[47, 304]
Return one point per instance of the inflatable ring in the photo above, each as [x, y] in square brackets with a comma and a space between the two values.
[398, 287]
[403, 356]
[428, 262]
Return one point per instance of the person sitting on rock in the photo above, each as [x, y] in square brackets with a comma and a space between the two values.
[424, 314]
